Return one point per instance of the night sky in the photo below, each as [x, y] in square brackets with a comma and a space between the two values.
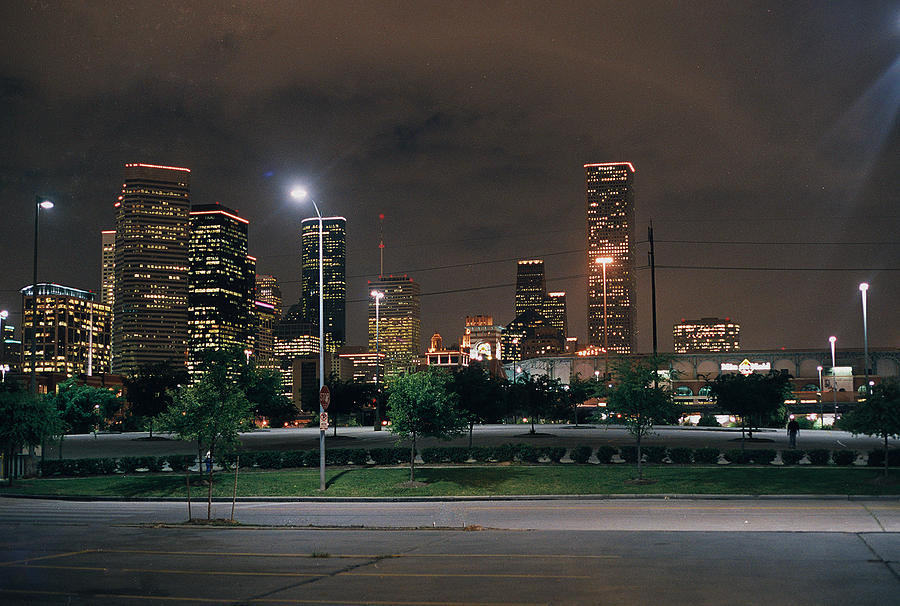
[764, 134]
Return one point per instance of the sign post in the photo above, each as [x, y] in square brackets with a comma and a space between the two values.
[324, 401]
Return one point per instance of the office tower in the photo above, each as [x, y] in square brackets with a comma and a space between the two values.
[10, 348]
[72, 330]
[150, 310]
[530, 335]
[531, 289]
[398, 322]
[555, 312]
[359, 365]
[221, 282]
[334, 263]
[610, 224]
[708, 335]
[295, 340]
[108, 267]
[268, 291]
[262, 341]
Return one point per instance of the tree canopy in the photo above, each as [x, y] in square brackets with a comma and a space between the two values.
[263, 389]
[25, 420]
[755, 398]
[536, 397]
[347, 398]
[421, 404]
[148, 389]
[878, 415]
[480, 395]
[83, 408]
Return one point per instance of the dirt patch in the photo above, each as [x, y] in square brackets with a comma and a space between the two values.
[473, 528]
[415, 484]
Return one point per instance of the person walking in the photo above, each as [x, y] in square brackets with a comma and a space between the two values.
[793, 427]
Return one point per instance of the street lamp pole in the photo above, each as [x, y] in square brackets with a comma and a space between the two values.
[39, 203]
[302, 194]
[604, 261]
[3, 315]
[831, 340]
[821, 404]
[863, 289]
[377, 294]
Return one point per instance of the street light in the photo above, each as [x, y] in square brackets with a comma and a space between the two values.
[821, 404]
[248, 352]
[302, 194]
[3, 315]
[833, 375]
[863, 288]
[604, 261]
[39, 203]
[378, 295]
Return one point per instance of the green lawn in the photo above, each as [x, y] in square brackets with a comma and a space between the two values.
[483, 481]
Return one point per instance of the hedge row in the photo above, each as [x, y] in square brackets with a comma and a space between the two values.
[522, 453]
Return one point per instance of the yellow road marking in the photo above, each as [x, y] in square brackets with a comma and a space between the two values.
[676, 507]
[381, 556]
[47, 557]
[464, 575]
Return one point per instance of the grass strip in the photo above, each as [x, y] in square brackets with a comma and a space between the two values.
[483, 481]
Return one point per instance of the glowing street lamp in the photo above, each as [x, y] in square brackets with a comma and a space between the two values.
[302, 194]
[863, 288]
[40, 202]
[3, 315]
[821, 404]
[378, 295]
[831, 340]
[248, 352]
[604, 261]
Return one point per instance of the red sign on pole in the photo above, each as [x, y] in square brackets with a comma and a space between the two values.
[324, 397]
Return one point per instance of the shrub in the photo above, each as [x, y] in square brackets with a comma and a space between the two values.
[629, 454]
[654, 454]
[248, 459]
[181, 462]
[150, 463]
[389, 456]
[605, 453]
[681, 455]
[876, 458]
[553, 453]
[527, 453]
[337, 456]
[269, 459]
[433, 454]
[818, 456]
[293, 458]
[480, 453]
[457, 454]
[70, 467]
[310, 458]
[844, 457]
[791, 457]
[581, 454]
[741, 457]
[708, 420]
[762, 456]
[707, 456]
[357, 456]
[51, 467]
[129, 464]
[504, 452]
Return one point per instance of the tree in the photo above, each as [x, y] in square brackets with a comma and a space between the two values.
[480, 395]
[347, 397]
[639, 400]
[755, 398]
[536, 397]
[212, 411]
[148, 390]
[879, 415]
[262, 386]
[577, 391]
[422, 405]
[83, 408]
[25, 421]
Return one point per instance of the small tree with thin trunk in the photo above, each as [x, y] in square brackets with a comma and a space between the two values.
[25, 420]
[755, 398]
[878, 416]
[422, 405]
[638, 399]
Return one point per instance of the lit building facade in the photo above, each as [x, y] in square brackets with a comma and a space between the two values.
[10, 348]
[108, 267]
[530, 335]
[73, 331]
[451, 359]
[398, 322]
[262, 342]
[531, 286]
[707, 335]
[268, 291]
[361, 366]
[609, 189]
[150, 310]
[221, 281]
[334, 264]
[294, 340]
[555, 311]
[482, 339]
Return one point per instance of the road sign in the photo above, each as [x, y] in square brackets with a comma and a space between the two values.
[324, 397]
[323, 421]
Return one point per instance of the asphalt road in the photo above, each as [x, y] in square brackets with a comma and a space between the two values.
[80, 554]
[137, 444]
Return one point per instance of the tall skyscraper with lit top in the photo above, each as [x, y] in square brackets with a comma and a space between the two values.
[150, 310]
[222, 281]
[398, 322]
[334, 270]
[531, 288]
[609, 196]
[108, 267]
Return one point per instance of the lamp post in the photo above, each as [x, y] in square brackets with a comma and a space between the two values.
[821, 404]
[604, 261]
[302, 194]
[3, 315]
[378, 295]
[248, 352]
[39, 203]
[831, 340]
[863, 289]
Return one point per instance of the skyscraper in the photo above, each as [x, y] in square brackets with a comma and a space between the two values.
[334, 264]
[150, 313]
[268, 291]
[707, 335]
[73, 330]
[398, 322]
[108, 267]
[610, 235]
[531, 288]
[555, 312]
[221, 281]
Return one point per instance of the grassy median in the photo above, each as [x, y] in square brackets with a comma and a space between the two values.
[483, 481]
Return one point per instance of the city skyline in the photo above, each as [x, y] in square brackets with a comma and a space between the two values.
[470, 139]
